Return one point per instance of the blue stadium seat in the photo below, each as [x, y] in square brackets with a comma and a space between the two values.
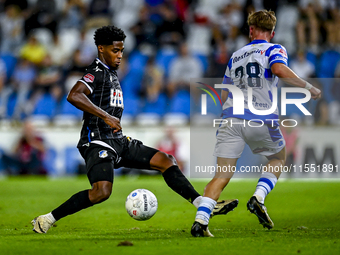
[132, 105]
[180, 103]
[159, 107]
[12, 100]
[66, 108]
[213, 108]
[137, 61]
[204, 61]
[46, 105]
[327, 64]
[131, 83]
[311, 57]
[72, 160]
[49, 162]
[10, 62]
[164, 58]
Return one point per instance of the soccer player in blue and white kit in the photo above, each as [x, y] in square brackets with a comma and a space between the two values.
[258, 65]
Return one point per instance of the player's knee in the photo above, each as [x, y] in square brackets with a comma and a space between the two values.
[279, 156]
[99, 194]
[167, 161]
[162, 161]
[172, 159]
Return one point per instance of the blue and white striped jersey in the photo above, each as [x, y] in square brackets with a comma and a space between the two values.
[250, 67]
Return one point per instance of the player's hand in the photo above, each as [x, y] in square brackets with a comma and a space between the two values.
[113, 122]
[315, 93]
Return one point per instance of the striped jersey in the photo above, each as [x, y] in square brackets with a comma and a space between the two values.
[106, 93]
[250, 67]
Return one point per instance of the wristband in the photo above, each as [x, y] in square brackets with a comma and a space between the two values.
[308, 86]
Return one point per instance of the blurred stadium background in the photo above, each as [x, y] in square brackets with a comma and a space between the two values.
[46, 44]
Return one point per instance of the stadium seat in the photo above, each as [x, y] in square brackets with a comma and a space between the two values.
[159, 107]
[67, 108]
[204, 61]
[132, 105]
[131, 84]
[44, 110]
[327, 64]
[137, 61]
[311, 57]
[72, 160]
[164, 58]
[46, 105]
[67, 114]
[10, 62]
[12, 100]
[180, 103]
[49, 162]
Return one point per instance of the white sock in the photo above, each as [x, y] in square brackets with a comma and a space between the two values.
[204, 210]
[197, 201]
[265, 185]
[50, 217]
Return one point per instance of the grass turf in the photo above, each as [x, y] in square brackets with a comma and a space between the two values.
[306, 217]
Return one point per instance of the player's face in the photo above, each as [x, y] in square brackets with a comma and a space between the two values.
[112, 54]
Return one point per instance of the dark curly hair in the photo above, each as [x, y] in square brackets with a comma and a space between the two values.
[107, 35]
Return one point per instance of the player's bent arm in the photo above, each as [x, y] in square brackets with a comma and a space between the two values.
[288, 76]
[224, 95]
[78, 97]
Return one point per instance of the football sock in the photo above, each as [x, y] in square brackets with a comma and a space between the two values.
[197, 201]
[265, 184]
[175, 179]
[204, 210]
[50, 217]
[76, 203]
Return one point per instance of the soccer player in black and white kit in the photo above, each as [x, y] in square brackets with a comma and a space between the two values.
[102, 144]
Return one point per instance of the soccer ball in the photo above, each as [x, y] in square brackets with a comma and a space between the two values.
[141, 204]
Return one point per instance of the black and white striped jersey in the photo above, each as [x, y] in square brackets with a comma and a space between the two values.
[106, 93]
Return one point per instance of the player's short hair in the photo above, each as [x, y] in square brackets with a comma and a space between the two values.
[264, 20]
[106, 35]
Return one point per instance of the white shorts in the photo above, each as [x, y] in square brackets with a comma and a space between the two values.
[263, 140]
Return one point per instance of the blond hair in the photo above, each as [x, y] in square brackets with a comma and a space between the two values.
[264, 20]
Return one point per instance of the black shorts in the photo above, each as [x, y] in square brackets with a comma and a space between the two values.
[121, 152]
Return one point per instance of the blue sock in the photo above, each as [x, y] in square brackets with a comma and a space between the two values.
[265, 185]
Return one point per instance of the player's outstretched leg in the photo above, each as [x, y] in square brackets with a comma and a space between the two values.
[100, 191]
[174, 177]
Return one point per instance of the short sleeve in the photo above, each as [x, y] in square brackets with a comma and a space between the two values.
[91, 78]
[277, 54]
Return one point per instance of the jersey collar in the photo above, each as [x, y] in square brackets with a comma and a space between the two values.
[257, 42]
[97, 59]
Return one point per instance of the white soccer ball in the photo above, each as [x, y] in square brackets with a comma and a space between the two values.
[141, 204]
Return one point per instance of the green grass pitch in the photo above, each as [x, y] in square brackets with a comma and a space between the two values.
[306, 217]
